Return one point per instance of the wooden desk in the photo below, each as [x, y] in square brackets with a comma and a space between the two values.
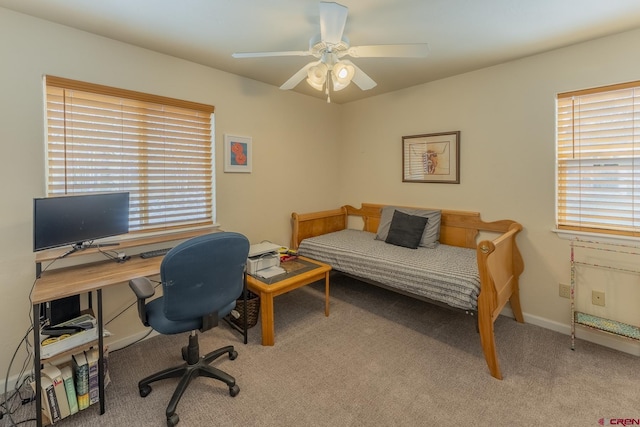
[85, 278]
[77, 280]
[290, 282]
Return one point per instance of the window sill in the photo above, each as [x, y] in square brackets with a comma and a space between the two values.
[596, 237]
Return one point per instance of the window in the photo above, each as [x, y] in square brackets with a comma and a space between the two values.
[598, 148]
[159, 149]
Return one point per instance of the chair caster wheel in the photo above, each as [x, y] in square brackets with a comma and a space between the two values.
[233, 355]
[233, 391]
[173, 420]
[145, 390]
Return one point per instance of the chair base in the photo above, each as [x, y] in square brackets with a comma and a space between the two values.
[193, 367]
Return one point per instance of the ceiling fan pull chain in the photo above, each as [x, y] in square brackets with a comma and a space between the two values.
[328, 82]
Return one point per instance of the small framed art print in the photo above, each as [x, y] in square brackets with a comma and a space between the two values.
[237, 154]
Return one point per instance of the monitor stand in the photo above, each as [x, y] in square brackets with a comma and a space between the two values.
[97, 245]
[82, 246]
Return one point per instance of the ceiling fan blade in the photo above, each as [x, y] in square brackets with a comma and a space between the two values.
[417, 50]
[298, 77]
[267, 54]
[333, 17]
[360, 78]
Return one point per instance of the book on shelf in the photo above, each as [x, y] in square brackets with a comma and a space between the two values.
[48, 400]
[70, 388]
[105, 356]
[81, 375]
[53, 373]
[92, 362]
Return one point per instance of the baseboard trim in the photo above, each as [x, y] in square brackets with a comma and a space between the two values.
[131, 339]
[597, 337]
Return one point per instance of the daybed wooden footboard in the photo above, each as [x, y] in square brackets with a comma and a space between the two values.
[499, 261]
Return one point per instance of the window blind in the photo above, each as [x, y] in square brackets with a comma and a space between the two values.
[102, 139]
[598, 169]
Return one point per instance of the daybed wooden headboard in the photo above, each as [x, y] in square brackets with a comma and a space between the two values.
[499, 261]
[457, 228]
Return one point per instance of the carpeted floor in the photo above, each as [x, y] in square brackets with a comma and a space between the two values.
[380, 359]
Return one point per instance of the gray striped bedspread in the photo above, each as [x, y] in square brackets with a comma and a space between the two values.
[447, 274]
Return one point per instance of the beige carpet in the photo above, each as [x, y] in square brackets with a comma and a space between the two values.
[380, 359]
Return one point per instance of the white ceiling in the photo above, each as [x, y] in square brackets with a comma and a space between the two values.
[463, 35]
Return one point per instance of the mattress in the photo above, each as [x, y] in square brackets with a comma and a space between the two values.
[448, 274]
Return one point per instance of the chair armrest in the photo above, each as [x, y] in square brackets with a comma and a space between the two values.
[142, 287]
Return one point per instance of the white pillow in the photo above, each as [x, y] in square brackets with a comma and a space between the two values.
[431, 232]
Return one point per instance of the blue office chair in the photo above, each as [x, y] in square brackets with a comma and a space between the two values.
[201, 280]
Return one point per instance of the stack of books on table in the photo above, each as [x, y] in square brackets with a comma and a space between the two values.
[287, 254]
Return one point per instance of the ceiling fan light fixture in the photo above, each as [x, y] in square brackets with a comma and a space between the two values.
[316, 76]
[316, 86]
[337, 85]
[330, 72]
[341, 75]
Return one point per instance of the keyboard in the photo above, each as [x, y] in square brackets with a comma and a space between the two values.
[154, 253]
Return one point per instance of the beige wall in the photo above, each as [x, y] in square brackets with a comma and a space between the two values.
[506, 118]
[292, 147]
[505, 114]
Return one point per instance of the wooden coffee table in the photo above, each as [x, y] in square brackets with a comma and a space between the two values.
[300, 272]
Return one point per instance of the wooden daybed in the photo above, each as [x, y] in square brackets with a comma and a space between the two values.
[499, 263]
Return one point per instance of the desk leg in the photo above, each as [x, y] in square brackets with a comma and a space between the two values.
[36, 362]
[245, 291]
[266, 317]
[326, 294]
[100, 353]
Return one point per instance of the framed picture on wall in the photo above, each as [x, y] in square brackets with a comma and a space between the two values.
[433, 157]
[237, 154]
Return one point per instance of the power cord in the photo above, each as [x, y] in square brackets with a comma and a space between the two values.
[9, 405]
[118, 257]
[130, 305]
[157, 284]
[6, 408]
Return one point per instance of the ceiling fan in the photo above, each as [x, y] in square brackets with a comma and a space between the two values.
[331, 71]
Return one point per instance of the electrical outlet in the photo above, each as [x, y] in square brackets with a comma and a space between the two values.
[597, 298]
[564, 291]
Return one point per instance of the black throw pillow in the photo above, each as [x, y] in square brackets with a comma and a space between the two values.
[406, 230]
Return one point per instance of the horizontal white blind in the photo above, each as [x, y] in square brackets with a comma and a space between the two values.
[598, 178]
[157, 149]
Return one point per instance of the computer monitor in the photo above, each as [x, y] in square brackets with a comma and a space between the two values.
[74, 220]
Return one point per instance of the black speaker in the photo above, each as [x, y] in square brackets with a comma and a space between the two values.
[61, 310]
